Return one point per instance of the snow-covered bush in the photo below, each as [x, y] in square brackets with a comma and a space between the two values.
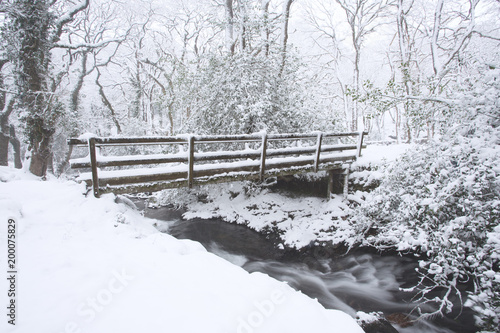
[246, 94]
[443, 200]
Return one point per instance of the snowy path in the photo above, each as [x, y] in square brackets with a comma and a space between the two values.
[90, 265]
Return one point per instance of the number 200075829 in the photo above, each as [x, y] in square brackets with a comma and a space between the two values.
[11, 244]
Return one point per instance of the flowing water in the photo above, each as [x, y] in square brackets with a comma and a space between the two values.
[367, 282]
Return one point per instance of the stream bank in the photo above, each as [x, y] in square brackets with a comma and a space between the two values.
[359, 282]
[289, 231]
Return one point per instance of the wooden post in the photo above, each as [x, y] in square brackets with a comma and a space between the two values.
[318, 151]
[331, 174]
[346, 182]
[190, 161]
[93, 164]
[263, 157]
[360, 143]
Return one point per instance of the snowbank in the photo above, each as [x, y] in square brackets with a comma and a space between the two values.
[298, 221]
[379, 154]
[91, 265]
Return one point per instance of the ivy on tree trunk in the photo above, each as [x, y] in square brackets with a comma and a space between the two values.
[33, 32]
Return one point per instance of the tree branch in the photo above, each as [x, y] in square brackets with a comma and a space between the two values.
[485, 36]
[106, 102]
[88, 45]
[66, 18]
[448, 102]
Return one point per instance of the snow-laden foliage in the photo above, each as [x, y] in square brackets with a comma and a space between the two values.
[443, 200]
[246, 94]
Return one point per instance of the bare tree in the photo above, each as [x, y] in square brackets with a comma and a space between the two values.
[228, 7]
[166, 73]
[446, 36]
[107, 102]
[264, 5]
[6, 108]
[405, 44]
[284, 31]
[88, 48]
[5, 138]
[363, 18]
[460, 36]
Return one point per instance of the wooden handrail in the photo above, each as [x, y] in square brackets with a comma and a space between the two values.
[105, 161]
[205, 138]
[264, 160]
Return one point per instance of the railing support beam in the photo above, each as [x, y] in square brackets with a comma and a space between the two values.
[263, 157]
[346, 182]
[318, 151]
[190, 161]
[93, 162]
[360, 143]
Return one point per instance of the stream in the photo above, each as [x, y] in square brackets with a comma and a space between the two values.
[362, 280]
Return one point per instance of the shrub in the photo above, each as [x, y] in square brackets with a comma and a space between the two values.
[443, 200]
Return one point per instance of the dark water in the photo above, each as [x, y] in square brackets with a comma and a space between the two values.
[360, 281]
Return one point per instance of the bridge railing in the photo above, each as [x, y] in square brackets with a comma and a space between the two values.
[236, 157]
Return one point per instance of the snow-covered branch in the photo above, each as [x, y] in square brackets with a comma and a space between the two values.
[8, 108]
[8, 91]
[449, 102]
[68, 17]
[440, 69]
[480, 34]
[88, 45]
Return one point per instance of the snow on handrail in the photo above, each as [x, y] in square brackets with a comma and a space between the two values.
[184, 138]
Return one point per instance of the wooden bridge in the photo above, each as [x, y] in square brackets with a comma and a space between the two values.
[187, 160]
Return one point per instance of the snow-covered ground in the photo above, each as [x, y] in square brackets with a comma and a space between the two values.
[92, 265]
[299, 221]
[378, 154]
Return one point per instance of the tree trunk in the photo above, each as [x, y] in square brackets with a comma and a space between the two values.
[405, 61]
[16, 146]
[137, 110]
[4, 149]
[265, 23]
[228, 5]
[4, 119]
[435, 35]
[4, 132]
[243, 28]
[357, 60]
[36, 28]
[40, 155]
[284, 32]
